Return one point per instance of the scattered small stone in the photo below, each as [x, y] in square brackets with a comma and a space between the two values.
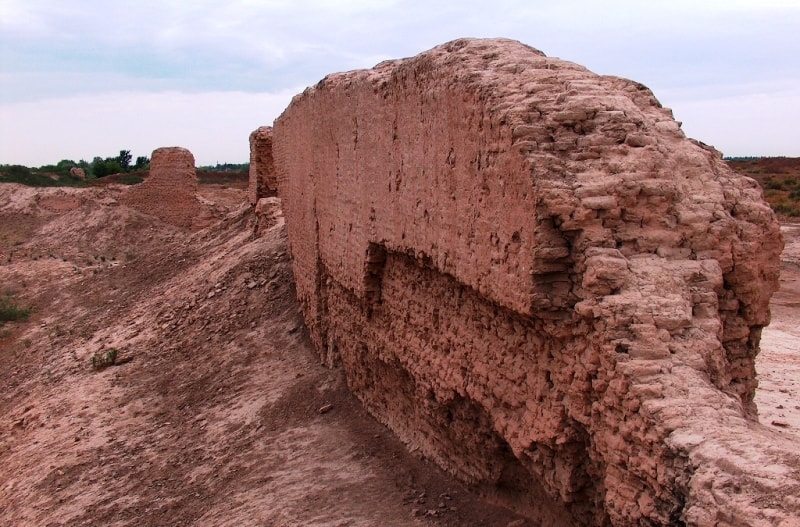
[416, 513]
[782, 424]
[325, 408]
[210, 294]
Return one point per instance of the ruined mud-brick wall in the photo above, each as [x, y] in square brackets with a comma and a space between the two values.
[170, 192]
[262, 167]
[535, 279]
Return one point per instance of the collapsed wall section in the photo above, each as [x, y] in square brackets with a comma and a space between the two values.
[534, 278]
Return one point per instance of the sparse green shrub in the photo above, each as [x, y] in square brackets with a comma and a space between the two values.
[104, 360]
[129, 179]
[11, 311]
[25, 176]
[774, 184]
[788, 209]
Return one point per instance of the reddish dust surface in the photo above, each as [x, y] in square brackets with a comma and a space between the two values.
[216, 411]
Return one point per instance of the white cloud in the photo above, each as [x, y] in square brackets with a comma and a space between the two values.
[686, 51]
[214, 126]
[760, 121]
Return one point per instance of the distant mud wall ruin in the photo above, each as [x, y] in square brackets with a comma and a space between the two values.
[262, 168]
[535, 279]
[170, 192]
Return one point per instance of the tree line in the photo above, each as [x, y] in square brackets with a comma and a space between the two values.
[97, 168]
[121, 164]
[61, 172]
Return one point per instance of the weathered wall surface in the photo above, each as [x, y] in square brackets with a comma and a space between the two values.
[262, 167]
[533, 277]
[170, 193]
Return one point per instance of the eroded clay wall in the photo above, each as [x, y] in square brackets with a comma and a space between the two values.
[262, 168]
[533, 277]
[170, 192]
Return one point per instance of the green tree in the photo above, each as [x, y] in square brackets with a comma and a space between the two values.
[105, 167]
[142, 162]
[124, 160]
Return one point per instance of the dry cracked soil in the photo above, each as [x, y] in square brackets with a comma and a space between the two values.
[216, 410]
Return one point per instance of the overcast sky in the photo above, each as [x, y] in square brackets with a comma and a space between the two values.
[91, 77]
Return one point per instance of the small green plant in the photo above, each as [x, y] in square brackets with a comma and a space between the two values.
[789, 210]
[104, 360]
[130, 179]
[774, 184]
[11, 311]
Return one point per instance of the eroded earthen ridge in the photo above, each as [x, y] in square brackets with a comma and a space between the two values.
[533, 277]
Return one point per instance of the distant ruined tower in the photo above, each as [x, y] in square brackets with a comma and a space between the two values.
[262, 166]
[170, 192]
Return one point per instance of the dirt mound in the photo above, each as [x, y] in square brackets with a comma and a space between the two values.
[216, 410]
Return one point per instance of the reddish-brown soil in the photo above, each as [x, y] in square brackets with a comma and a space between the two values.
[217, 411]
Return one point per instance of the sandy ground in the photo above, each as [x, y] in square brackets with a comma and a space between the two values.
[217, 411]
[778, 365]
